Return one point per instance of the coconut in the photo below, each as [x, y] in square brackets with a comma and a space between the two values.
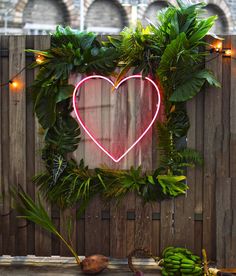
[94, 264]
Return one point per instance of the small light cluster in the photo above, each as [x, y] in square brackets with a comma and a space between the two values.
[218, 48]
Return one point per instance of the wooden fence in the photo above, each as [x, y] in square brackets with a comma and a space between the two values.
[204, 218]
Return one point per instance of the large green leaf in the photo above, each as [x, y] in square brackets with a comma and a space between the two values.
[64, 135]
[45, 109]
[172, 185]
[59, 165]
[171, 55]
[36, 213]
[202, 29]
[64, 92]
[192, 85]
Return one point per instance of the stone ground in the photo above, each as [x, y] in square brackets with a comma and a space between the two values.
[22, 270]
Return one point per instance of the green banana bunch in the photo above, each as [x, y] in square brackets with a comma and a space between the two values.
[180, 262]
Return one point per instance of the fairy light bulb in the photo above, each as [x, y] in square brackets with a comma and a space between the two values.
[227, 52]
[39, 59]
[218, 47]
[14, 84]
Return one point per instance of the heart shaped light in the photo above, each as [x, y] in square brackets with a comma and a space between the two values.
[86, 129]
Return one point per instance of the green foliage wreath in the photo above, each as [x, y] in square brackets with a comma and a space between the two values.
[172, 52]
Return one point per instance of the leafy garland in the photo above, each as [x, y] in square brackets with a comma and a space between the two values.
[170, 52]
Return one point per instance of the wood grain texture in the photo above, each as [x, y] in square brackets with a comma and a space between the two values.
[212, 128]
[184, 206]
[42, 238]
[17, 130]
[7, 242]
[30, 145]
[199, 181]
[92, 156]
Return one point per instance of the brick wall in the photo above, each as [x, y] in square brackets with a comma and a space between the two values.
[101, 13]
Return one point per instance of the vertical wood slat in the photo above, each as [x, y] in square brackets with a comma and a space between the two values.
[232, 247]
[143, 221]
[6, 211]
[184, 206]
[93, 211]
[30, 145]
[1, 181]
[118, 227]
[42, 238]
[105, 138]
[79, 224]
[199, 172]
[213, 111]
[130, 200]
[223, 182]
[17, 129]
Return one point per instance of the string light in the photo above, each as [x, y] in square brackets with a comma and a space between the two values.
[227, 52]
[39, 59]
[14, 84]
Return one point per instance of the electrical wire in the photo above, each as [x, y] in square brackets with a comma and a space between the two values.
[24, 68]
[12, 78]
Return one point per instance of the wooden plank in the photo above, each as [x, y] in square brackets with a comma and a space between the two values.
[30, 151]
[42, 238]
[67, 216]
[1, 181]
[231, 242]
[213, 111]
[8, 243]
[222, 165]
[92, 117]
[223, 195]
[130, 199]
[119, 132]
[79, 233]
[184, 205]
[156, 206]
[143, 222]
[55, 242]
[17, 130]
[233, 112]
[105, 138]
[199, 145]
[231, 249]
[167, 224]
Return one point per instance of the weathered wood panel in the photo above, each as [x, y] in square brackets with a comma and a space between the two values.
[42, 238]
[194, 221]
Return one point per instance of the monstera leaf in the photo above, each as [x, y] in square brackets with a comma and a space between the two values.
[45, 109]
[64, 135]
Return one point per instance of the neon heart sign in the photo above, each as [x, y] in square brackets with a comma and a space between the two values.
[86, 128]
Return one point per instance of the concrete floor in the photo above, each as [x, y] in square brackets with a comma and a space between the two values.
[22, 270]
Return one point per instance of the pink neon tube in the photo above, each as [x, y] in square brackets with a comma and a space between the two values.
[116, 87]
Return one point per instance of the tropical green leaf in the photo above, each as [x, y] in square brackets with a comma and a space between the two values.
[202, 29]
[64, 92]
[36, 213]
[64, 135]
[171, 55]
[45, 109]
[59, 165]
[193, 85]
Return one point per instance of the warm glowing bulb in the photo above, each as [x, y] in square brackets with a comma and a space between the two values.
[14, 84]
[39, 59]
[218, 47]
[228, 52]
